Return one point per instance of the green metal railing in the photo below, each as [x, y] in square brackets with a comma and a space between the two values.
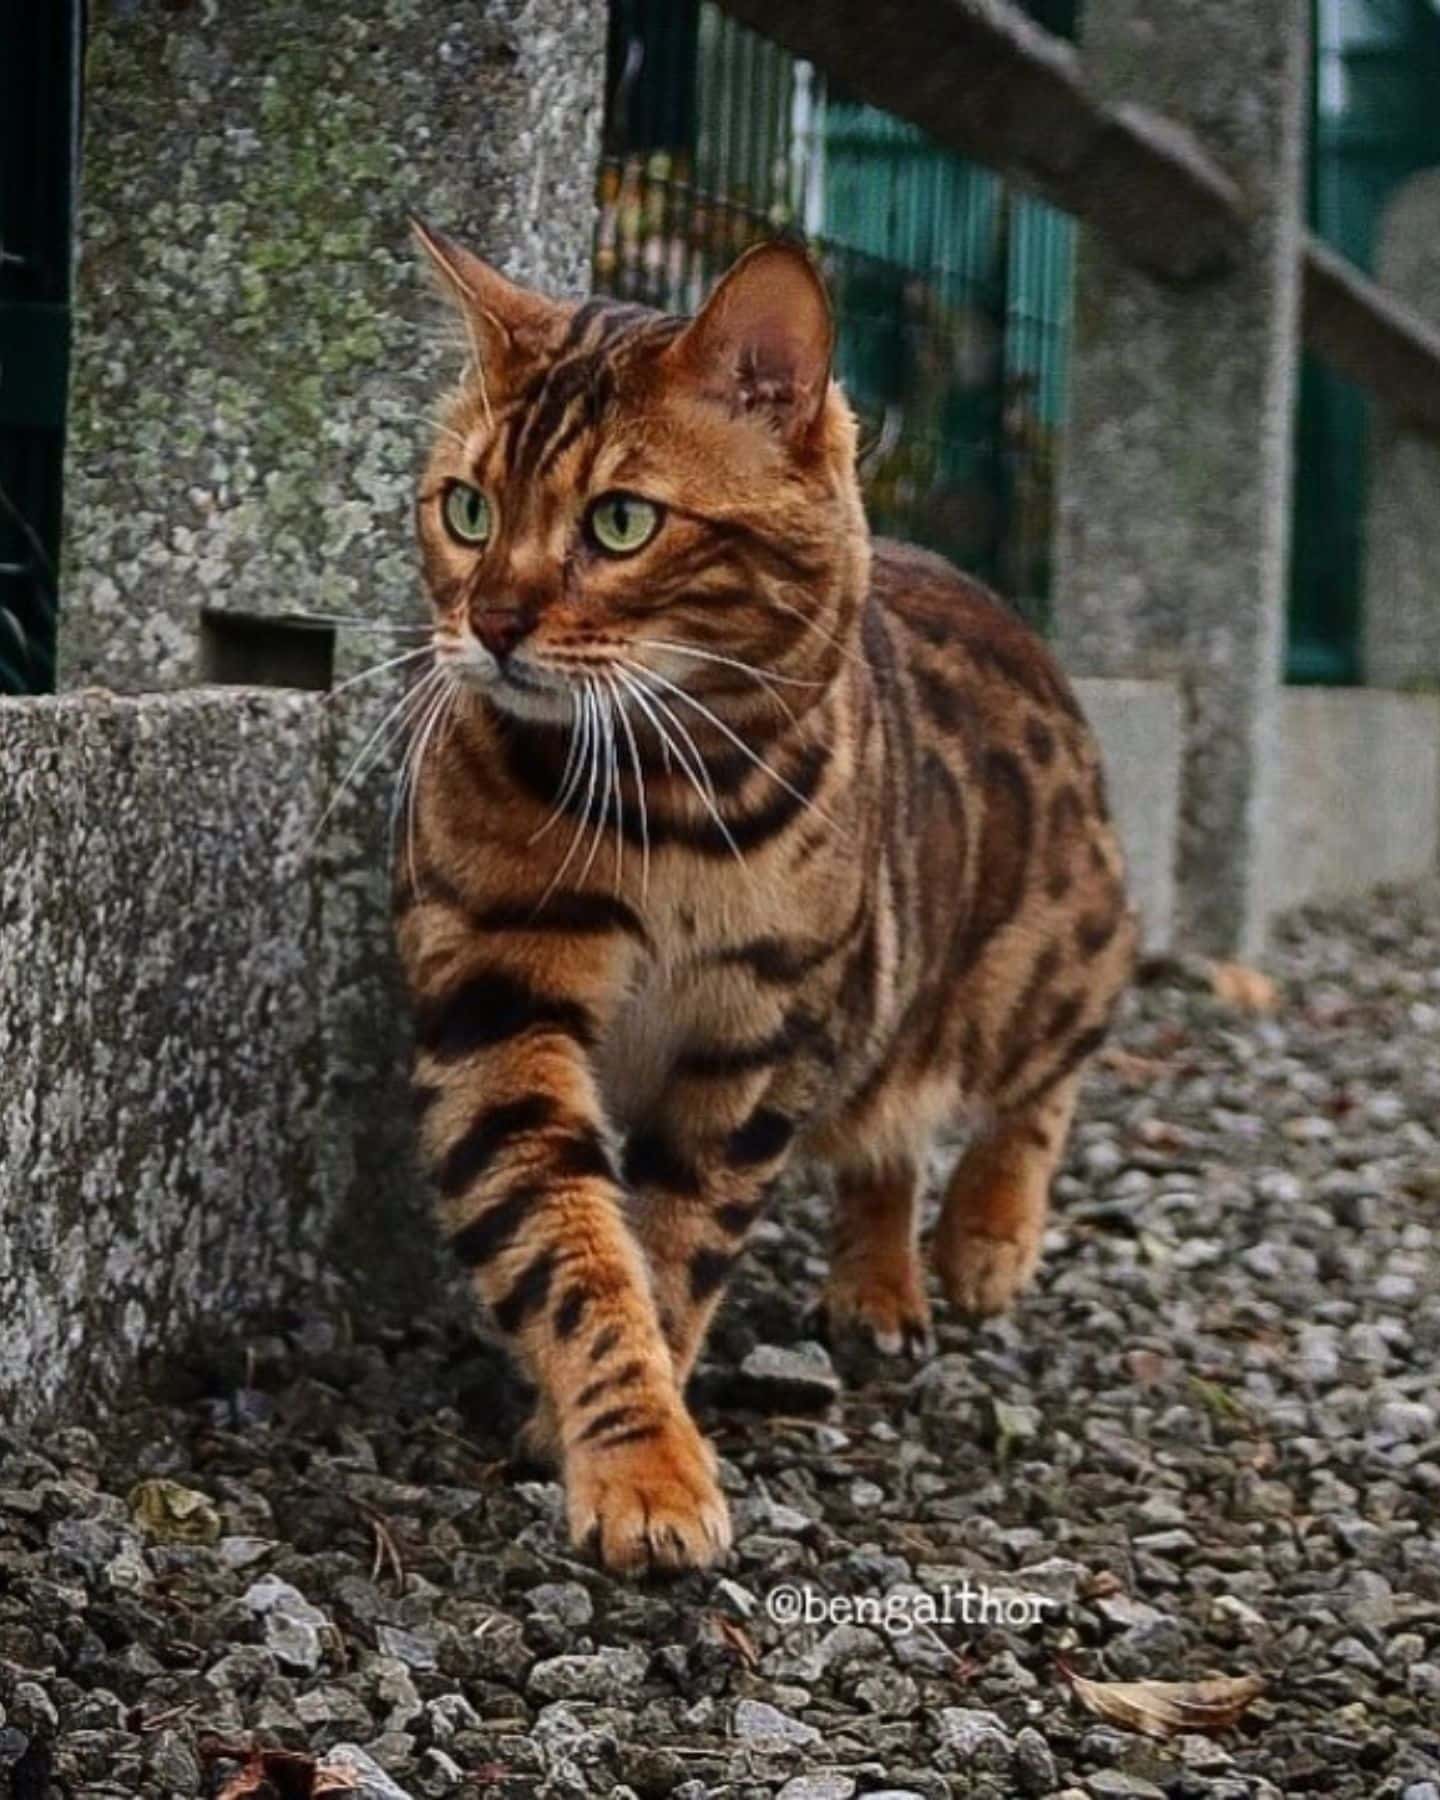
[1375, 121]
[951, 289]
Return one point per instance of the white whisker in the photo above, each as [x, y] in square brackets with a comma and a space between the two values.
[639, 769]
[605, 748]
[420, 744]
[392, 662]
[740, 745]
[703, 787]
[438, 426]
[591, 761]
[353, 621]
[616, 783]
[811, 623]
[754, 674]
[376, 744]
[729, 662]
[569, 775]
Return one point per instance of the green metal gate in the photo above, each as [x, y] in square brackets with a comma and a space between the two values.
[39, 74]
[1376, 121]
[951, 288]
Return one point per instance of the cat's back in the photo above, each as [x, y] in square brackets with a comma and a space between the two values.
[949, 632]
[993, 771]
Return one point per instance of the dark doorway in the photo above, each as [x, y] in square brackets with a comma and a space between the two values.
[39, 116]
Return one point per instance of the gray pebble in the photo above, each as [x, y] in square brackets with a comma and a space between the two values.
[757, 1722]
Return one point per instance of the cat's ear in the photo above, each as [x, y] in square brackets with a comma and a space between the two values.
[504, 322]
[763, 341]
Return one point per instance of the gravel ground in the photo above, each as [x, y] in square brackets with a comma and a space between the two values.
[1211, 1439]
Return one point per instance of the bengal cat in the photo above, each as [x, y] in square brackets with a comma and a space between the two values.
[739, 837]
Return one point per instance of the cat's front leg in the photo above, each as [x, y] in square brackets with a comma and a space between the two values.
[532, 1204]
[701, 1172]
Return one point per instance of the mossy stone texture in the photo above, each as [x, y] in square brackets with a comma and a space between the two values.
[256, 352]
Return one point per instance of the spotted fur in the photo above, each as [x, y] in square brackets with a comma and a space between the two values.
[818, 865]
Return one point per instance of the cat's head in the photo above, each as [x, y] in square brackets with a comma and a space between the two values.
[617, 498]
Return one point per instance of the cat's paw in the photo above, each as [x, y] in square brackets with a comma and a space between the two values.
[984, 1274]
[889, 1315]
[652, 1503]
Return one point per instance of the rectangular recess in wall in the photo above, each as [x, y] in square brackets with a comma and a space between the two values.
[253, 650]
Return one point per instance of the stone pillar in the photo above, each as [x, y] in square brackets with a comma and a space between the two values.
[257, 355]
[1401, 606]
[255, 352]
[1175, 488]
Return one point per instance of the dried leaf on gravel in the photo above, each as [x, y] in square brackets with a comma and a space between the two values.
[276, 1774]
[174, 1514]
[1133, 1070]
[1164, 1709]
[1246, 989]
[736, 1638]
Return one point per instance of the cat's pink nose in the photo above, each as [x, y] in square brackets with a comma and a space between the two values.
[500, 632]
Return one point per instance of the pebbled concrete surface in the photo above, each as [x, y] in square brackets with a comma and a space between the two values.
[159, 1027]
[257, 358]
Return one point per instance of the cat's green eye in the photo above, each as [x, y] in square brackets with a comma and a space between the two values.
[467, 514]
[623, 523]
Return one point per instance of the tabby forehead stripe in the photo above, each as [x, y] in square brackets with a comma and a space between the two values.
[571, 377]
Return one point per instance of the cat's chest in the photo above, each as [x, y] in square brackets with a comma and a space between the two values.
[693, 998]
[639, 1046]
[646, 1033]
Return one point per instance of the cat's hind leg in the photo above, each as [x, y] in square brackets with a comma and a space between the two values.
[992, 1218]
[876, 1285]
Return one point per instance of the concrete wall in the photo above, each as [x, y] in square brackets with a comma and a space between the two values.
[257, 358]
[1399, 611]
[1357, 793]
[161, 973]
[1174, 514]
[1140, 729]
[200, 1035]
